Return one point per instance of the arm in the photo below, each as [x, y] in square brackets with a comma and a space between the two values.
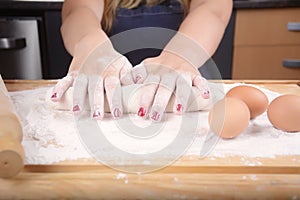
[200, 33]
[197, 39]
[96, 67]
[81, 26]
[210, 19]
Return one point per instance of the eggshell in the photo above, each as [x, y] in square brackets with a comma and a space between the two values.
[284, 113]
[255, 99]
[229, 117]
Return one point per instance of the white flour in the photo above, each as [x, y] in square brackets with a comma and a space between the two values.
[50, 136]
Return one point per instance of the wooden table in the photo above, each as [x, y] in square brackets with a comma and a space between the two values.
[188, 178]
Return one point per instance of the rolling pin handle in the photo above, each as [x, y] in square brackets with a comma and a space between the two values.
[11, 157]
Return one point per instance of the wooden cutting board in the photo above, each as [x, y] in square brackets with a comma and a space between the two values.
[190, 177]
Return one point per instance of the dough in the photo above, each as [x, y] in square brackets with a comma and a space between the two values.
[130, 97]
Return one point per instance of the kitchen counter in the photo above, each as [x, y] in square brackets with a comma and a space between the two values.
[188, 178]
[57, 4]
[30, 5]
[239, 4]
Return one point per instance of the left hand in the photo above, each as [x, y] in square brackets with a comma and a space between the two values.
[162, 76]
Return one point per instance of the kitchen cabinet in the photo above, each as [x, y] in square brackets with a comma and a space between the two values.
[267, 44]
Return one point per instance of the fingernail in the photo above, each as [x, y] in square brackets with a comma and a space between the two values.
[141, 112]
[206, 94]
[155, 116]
[127, 79]
[97, 115]
[179, 108]
[137, 78]
[54, 96]
[76, 108]
[117, 113]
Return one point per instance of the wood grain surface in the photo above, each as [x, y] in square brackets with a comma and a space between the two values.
[188, 178]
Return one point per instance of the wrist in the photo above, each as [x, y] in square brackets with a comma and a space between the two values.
[94, 45]
[171, 59]
[90, 41]
[173, 62]
[187, 49]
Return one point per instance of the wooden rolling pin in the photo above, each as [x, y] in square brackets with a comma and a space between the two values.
[11, 151]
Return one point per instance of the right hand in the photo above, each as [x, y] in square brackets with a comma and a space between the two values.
[94, 71]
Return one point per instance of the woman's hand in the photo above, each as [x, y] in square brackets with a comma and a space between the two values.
[94, 73]
[162, 76]
[196, 40]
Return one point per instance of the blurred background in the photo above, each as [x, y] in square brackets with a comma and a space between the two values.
[262, 40]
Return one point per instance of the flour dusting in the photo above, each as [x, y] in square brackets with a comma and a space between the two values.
[50, 136]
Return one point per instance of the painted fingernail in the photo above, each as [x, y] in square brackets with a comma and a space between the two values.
[137, 78]
[179, 108]
[117, 113]
[97, 115]
[76, 108]
[54, 96]
[155, 116]
[206, 94]
[141, 112]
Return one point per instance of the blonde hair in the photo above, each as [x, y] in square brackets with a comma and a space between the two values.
[111, 6]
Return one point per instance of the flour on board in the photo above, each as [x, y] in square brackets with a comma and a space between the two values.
[50, 136]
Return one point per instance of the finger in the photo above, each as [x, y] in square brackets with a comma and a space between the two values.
[182, 93]
[61, 87]
[125, 73]
[202, 85]
[113, 93]
[148, 94]
[80, 92]
[162, 97]
[96, 96]
[139, 73]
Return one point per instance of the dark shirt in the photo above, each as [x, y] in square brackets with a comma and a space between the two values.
[166, 17]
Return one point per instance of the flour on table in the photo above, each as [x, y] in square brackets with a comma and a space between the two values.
[50, 136]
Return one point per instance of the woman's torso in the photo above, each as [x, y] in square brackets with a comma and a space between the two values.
[167, 16]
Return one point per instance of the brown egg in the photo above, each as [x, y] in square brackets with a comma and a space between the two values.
[284, 113]
[255, 99]
[229, 117]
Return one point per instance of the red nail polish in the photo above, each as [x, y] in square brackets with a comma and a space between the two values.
[206, 94]
[76, 108]
[117, 113]
[137, 78]
[142, 112]
[97, 114]
[179, 108]
[54, 96]
[155, 116]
